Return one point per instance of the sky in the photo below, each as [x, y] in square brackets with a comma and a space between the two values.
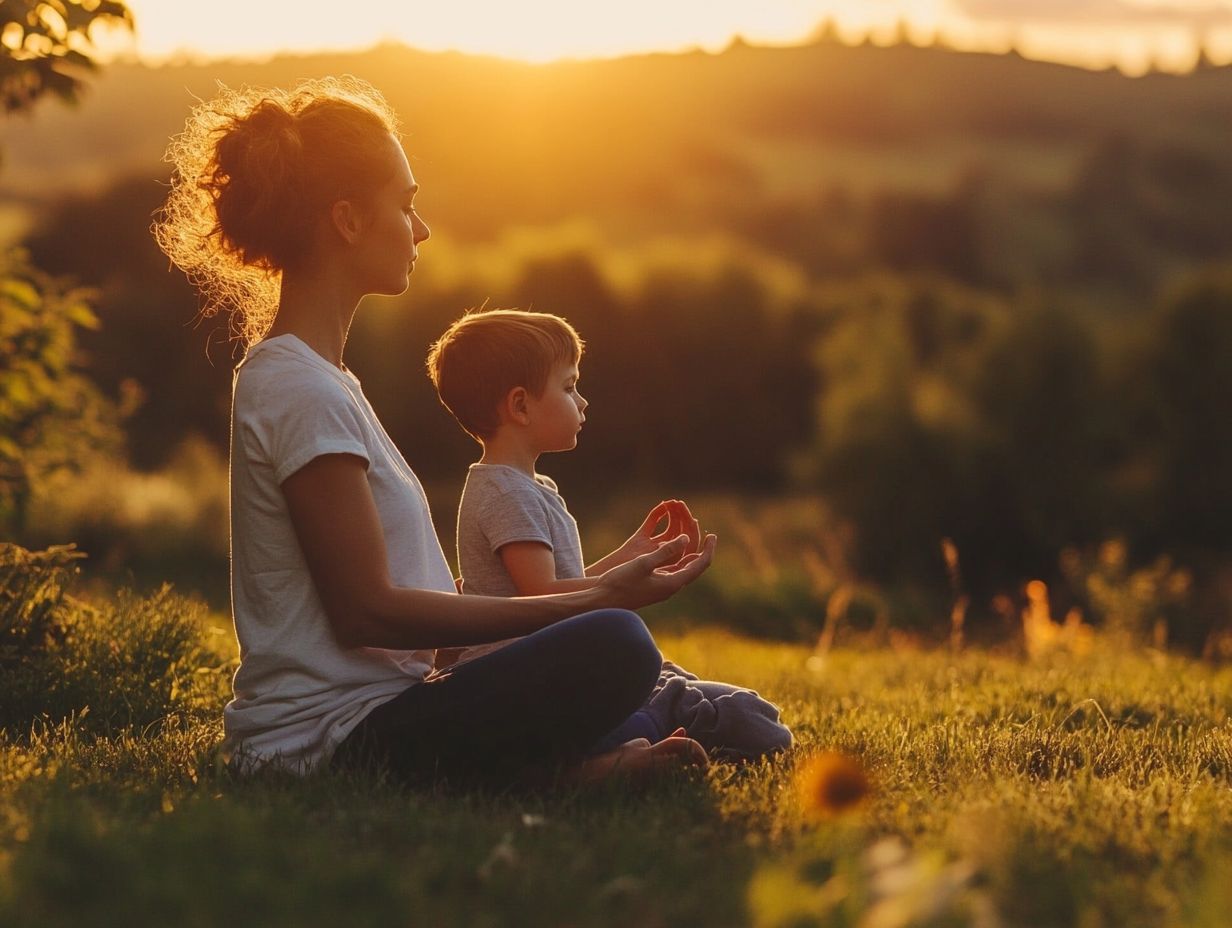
[1131, 34]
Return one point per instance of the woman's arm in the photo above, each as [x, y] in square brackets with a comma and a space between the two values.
[339, 531]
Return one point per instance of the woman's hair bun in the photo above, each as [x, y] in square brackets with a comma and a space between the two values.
[256, 179]
[268, 131]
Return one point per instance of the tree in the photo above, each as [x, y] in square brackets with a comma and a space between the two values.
[45, 47]
[49, 414]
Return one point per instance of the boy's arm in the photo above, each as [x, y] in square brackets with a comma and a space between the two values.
[531, 566]
[680, 521]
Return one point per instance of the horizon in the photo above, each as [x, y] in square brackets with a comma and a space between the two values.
[1168, 35]
[879, 41]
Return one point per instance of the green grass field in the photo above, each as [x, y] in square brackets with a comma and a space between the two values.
[1086, 791]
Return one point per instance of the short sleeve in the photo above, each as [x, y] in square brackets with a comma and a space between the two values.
[513, 516]
[309, 414]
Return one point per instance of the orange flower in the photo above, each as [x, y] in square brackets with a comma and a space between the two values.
[830, 784]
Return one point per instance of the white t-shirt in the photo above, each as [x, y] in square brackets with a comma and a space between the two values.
[297, 692]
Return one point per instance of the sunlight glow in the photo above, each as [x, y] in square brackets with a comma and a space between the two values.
[1092, 33]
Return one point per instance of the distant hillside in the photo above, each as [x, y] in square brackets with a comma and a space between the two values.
[661, 140]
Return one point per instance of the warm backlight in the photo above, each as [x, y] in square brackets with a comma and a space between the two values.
[1133, 35]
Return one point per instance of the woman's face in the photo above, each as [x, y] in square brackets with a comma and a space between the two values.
[386, 249]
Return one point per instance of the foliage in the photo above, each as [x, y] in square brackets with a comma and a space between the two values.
[950, 414]
[128, 662]
[1141, 605]
[33, 614]
[49, 412]
[45, 46]
[178, 375]
[1018, 429]
[144, 527]
[1188, 440]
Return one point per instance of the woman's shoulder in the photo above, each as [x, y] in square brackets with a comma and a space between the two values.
[285, 370]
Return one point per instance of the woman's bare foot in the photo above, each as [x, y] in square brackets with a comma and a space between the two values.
[640, 760]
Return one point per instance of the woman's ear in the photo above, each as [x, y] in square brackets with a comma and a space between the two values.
[347, 220]
[516, 406]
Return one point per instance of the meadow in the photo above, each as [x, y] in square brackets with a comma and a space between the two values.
[1084, 783]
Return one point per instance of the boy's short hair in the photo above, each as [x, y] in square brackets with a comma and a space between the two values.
[485, 354]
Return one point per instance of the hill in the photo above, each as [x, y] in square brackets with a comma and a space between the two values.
[666, 141]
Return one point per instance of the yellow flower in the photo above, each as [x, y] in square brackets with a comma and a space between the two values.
[830, 784]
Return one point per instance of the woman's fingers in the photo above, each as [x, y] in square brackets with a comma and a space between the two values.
[694, 563]
[669, 552]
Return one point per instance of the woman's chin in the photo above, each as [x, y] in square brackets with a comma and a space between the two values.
[396, 286]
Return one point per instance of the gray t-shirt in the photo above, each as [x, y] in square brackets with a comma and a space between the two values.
[501, 505]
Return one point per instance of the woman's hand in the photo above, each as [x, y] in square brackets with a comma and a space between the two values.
[654, 576]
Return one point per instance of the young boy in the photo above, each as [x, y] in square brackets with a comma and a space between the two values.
[510, 378]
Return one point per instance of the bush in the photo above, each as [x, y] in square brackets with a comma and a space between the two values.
[49, 413]
[125, 663]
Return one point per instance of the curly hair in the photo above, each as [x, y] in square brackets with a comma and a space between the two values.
[252, 171]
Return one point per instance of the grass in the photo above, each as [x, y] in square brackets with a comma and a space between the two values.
[1068, 791]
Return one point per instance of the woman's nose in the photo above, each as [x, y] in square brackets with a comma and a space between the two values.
[420, 231]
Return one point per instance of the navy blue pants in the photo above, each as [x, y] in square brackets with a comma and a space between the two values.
[540, 702]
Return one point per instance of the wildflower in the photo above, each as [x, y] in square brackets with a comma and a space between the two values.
[831, 784]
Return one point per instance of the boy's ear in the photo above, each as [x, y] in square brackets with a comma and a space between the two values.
[516, 406]
[347, 220]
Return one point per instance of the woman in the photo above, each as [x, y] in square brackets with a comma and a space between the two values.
[286, 208]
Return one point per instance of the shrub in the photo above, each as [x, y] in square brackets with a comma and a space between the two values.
[121, 664]
[49, 412]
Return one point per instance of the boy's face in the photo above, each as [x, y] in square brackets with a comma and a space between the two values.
[556, 416]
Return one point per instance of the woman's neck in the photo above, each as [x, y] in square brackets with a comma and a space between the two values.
[317, 309]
